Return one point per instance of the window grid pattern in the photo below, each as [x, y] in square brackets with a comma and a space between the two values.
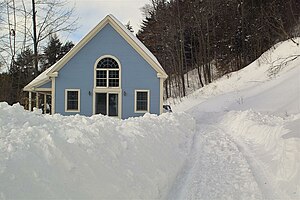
[107, 73]
[107, 63]
[72, 100]
[101, 78]
[113, 78]
[142, 101]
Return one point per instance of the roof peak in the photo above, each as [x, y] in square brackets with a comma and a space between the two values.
[122, 30]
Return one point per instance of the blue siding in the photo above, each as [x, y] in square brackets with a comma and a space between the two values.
[78, 73]
[46, 85]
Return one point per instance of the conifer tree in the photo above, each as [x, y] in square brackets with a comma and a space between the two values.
[54, 51]
[21, 72]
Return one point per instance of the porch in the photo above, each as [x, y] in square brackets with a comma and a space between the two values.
[40, 100]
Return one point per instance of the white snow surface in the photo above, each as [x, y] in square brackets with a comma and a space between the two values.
[247, 144]
[237, 138]
[57, 157]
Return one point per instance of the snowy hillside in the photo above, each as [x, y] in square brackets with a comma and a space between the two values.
[250, 117]
[237, 138]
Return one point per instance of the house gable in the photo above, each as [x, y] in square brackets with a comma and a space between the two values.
[140, 71]
[136, 73]
[126, 34]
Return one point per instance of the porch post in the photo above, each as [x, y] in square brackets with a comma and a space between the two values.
[161, 95]
[45, 103]
[29, 101]
[37, 100]
[53, 96]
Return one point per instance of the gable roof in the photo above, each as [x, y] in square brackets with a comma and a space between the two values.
[122, 30]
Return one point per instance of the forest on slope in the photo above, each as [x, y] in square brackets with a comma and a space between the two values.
[212, 37]
[215, 37]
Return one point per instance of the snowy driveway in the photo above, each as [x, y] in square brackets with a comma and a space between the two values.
[247, 142]
[216, 169]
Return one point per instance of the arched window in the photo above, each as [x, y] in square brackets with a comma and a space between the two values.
[107, 73]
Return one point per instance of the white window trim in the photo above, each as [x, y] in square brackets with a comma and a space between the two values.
[107, 69]
[108, 91]
[66, 100]
[135, 102]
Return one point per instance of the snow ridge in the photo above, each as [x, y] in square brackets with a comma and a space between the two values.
[77, 157]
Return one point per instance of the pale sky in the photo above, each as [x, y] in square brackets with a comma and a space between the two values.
[91, 12]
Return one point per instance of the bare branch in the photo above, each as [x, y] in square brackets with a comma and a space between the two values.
[278, 65]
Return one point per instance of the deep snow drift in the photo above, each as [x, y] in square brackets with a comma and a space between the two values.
[79, 157]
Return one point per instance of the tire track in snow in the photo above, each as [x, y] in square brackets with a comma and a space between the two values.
[215, 169]
[263, 178]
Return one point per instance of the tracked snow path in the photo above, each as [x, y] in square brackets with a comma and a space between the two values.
[247, 144]
[216, 169]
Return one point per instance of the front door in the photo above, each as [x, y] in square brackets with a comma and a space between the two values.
[107, 104]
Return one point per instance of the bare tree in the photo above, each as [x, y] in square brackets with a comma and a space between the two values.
[27, 25]
[54, 17]
[30, 23]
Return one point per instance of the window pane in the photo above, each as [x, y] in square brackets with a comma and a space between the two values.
[141, 106]
[101, 74]
[72, 95]
[113, 82]
[108, 63]
[72, 100]
[114, 74]
[142, 101]
[101, 82]
[113, 105]
[101, 103]
[142, 96]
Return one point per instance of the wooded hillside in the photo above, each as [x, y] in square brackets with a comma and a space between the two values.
[214, 36]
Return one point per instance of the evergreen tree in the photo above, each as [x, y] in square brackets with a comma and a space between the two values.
[21, 72]
[54, 51]
[65, 49]
[51, 52]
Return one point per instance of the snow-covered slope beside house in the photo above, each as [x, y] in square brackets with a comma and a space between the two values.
[268, 68]
[56, 157]
[257, 112]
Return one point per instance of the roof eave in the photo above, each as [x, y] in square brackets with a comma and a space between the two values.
[109, 19]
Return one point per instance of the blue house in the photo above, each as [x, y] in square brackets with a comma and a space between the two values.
[108, 72]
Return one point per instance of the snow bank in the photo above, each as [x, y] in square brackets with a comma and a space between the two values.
[79, 157]
[272, 146]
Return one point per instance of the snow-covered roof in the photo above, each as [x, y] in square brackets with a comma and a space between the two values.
[122, 30]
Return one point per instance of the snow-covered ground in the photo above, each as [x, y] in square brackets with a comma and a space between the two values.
[237, 138]
[56, 157]
[247, 144]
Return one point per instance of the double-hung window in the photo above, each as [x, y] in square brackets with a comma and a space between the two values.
[107, 73]
[72, 100]
[142, 103]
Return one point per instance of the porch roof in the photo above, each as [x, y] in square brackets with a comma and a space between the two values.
[38, 81]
